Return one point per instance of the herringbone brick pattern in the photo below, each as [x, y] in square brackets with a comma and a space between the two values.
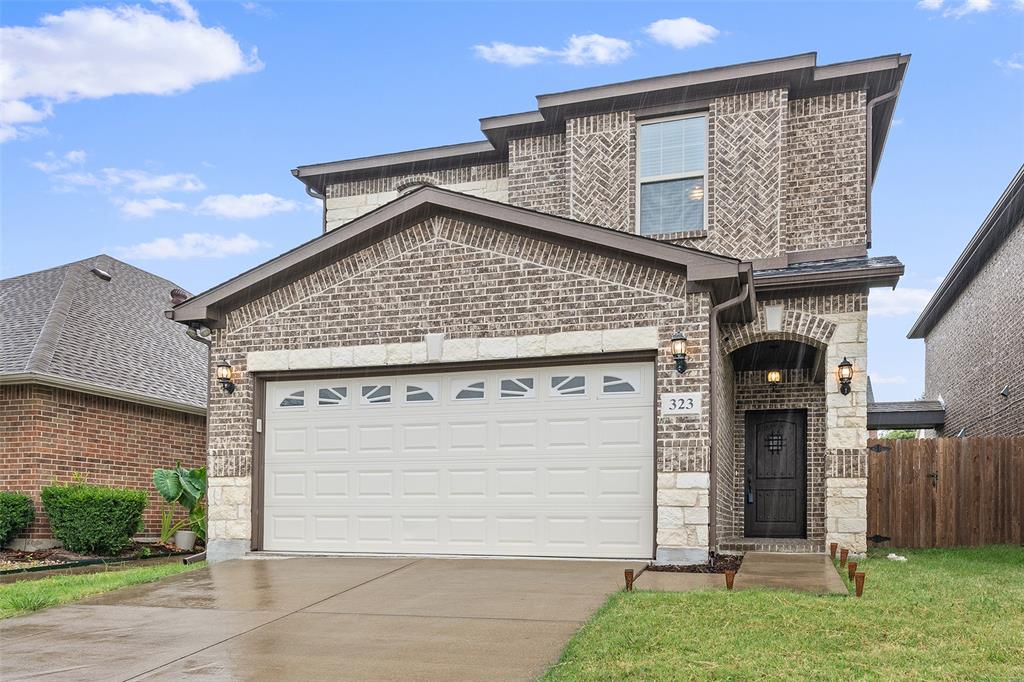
[748, 174]
[602, 160]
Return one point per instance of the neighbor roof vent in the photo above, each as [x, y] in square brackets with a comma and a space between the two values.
[102, 274]
[178, 295]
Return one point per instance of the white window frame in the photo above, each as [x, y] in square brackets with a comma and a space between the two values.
[671, 176]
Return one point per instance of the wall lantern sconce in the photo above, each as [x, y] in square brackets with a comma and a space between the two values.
[845, 376]
[774, 378]
[224, 377]
[679, 352]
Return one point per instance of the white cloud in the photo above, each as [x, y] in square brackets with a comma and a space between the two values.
[131, 180]
[963, 9]
[245, 205]
[147, 208]
[592, 48]
[96, 52]
[192, 245]
[895, 302]
[681, 33]
[1014, 62]
[53, 163]
[512, 55]
[881, 379]
[968, 7]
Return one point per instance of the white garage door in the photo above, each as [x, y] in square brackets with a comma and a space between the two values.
[553, 461]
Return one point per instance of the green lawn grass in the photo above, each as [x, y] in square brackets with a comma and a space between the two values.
[31, 595]
[943, 614]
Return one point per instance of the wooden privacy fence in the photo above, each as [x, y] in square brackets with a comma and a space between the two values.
[946, 492]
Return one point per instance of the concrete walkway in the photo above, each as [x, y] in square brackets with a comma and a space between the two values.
[328, 618]
[801, 572]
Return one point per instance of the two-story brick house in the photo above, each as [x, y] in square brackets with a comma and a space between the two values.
[613, 328]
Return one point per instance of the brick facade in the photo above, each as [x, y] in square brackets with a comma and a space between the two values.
[974, 350]
[537, 174]
[784, 175]
[472, 281]
[49, 434]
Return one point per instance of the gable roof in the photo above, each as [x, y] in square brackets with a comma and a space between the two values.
[1004, 217]
[800, 73]
[72, 327]
[722, 273]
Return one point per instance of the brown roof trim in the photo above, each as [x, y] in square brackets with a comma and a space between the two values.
[916, 414]
[863, 274]
[699, 266]
[764, 67]
[67, 383]
[997, 226]
[800, 73]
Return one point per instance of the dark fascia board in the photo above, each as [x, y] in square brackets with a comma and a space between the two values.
[871, 277]
[699, 266]
[799, 72]
[54, 381]
[997, 226]
[896, 416]
[318, 175]
[643, 86]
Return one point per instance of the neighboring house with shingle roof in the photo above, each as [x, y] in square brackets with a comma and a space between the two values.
[95, 380]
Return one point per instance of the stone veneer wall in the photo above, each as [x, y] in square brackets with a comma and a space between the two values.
[798, 391]
[975, 349]
[468, 281]
[836, 322]
[347, 201]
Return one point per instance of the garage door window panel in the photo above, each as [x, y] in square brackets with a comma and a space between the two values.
[332, 396]
[375, 394]
[469, 389]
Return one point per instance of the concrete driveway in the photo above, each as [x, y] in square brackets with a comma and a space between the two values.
[303, 618]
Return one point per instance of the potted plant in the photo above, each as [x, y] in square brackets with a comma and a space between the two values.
[187, 487]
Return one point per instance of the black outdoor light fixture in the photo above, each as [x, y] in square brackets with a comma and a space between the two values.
[224, 377]
[845, 376]
[679, 351]
[774, 377]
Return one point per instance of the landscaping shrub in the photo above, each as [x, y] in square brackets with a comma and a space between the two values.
[91, 519]
[16, 512]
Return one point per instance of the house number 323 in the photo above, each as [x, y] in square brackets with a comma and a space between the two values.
[680, 403]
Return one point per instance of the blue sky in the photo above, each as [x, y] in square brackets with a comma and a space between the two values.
[164, 133]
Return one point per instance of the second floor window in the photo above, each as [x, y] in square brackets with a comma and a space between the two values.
[671, 171]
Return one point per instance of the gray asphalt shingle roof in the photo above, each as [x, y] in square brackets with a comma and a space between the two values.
[68, 323]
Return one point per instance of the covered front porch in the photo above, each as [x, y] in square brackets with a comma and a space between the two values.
[789, 433]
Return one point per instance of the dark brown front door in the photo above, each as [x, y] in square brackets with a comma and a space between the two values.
[776, 474]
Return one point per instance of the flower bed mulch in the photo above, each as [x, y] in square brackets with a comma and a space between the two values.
[13, 560]
[719, 564]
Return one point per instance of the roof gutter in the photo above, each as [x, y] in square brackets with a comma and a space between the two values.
[100, 390]
[870, 156]
[746, 293]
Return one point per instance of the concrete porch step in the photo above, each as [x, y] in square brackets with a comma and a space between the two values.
[780, 545]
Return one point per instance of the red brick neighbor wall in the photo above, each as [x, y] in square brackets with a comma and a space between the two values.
[49, 434]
